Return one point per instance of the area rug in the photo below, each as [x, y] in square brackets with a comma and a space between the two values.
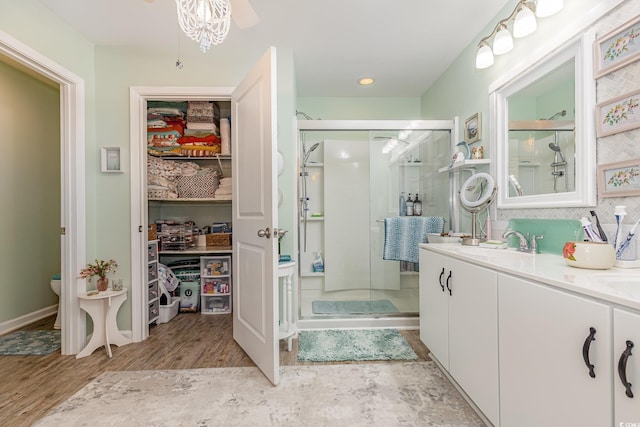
[30, 343]
[337, 345]
[354, 395]
[353, 307]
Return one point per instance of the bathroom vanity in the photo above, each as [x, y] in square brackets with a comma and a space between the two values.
[530, 340]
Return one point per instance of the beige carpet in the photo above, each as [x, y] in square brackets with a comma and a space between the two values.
[384, 394]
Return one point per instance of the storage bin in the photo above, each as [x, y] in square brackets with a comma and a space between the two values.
[177, 237]
[152, 232]
[219, 239]
[168, 312]
[198, 186]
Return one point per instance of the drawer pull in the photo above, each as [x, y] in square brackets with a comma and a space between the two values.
[585, 351]
[622, 369]
[440, 279]
[448, 279]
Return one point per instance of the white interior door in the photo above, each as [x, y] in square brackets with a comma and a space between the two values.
[255, 290]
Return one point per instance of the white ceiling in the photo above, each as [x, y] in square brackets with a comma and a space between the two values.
[404, 44]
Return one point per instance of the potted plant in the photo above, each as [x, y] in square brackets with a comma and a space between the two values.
[100, 268]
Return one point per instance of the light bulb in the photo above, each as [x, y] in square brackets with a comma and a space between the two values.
[548, 7]
[503, 42]
[484, 57]
[525, 22]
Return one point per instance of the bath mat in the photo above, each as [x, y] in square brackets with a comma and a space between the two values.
[30, 343]
[336, 345]
[353, 307]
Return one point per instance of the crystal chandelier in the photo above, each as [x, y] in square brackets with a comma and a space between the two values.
[205, 21]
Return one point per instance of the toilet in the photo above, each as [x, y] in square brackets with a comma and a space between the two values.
[55, 286]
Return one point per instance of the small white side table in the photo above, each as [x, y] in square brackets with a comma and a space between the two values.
[287, 326]
[103, 309]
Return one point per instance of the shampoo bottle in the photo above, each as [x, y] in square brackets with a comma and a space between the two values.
[417, 206]
[409, 206]
[403, 205]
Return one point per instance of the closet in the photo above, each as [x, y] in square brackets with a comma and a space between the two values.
[189, 204]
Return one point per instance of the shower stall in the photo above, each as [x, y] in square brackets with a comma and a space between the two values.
[351, 177]
[541, 156]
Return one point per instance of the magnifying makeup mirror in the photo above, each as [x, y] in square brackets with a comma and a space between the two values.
[476, 194]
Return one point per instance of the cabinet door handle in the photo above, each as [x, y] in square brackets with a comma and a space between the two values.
[585, 351]
[622, 369]
[440, 279]
[448, 279]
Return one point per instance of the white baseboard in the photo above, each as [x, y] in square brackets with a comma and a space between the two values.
[24, 320]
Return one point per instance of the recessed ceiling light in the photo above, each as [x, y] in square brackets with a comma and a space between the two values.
[366, 81]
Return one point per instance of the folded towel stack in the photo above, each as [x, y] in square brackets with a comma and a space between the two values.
[224, 189]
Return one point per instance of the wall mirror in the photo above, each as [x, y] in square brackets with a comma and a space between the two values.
[544, 131]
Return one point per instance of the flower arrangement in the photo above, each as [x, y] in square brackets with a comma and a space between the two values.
[100, 268]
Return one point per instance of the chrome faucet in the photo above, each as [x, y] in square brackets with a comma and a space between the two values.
[524, 244]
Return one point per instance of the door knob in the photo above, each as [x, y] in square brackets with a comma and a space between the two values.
[264, 233]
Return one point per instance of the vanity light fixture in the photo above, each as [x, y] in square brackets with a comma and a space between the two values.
[502, 42]
[204, 21]
[524, 23]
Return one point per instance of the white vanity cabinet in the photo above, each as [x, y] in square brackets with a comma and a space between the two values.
[459, 325]
[626, 339]
[544, 378]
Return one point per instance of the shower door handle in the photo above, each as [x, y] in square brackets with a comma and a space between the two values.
[264, 233]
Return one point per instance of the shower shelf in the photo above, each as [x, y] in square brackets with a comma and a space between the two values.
[314, 218]
[465, 164]
[310, 274]
[315, 165]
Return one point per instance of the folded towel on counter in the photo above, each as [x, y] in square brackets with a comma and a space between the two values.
[403, 234]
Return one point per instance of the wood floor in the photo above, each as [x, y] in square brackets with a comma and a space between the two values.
[30, 386]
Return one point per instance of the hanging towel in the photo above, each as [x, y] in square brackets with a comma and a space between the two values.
[402, 235]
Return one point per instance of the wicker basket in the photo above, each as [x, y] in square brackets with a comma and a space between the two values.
[198, 186]
[152, 232]
[219, 239]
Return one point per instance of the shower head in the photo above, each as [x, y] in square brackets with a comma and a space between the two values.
[558, 114]
[556, 148]
[308, 152]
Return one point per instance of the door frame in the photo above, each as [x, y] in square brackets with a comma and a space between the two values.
[138, 97]
[72, 179]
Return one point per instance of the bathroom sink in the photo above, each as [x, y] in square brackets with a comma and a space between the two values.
[499, 256]
[492, 253]
[628, 285]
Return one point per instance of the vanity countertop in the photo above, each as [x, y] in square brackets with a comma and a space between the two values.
[619, 286]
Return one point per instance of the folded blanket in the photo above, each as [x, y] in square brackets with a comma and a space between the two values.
[206, 140]
[403, 234]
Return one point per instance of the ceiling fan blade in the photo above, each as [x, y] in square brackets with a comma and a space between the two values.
[243, 14]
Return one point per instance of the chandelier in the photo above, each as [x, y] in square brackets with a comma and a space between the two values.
[205, 21]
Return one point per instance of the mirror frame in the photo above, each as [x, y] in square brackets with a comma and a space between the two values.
[584, 194]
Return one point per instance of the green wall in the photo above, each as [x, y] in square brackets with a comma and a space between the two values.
[30, 189]
[30, 192]
[463, 90]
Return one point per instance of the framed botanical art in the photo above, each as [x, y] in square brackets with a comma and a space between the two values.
[617, 48]
[619, 179]
[618, 115]
[473, 129]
